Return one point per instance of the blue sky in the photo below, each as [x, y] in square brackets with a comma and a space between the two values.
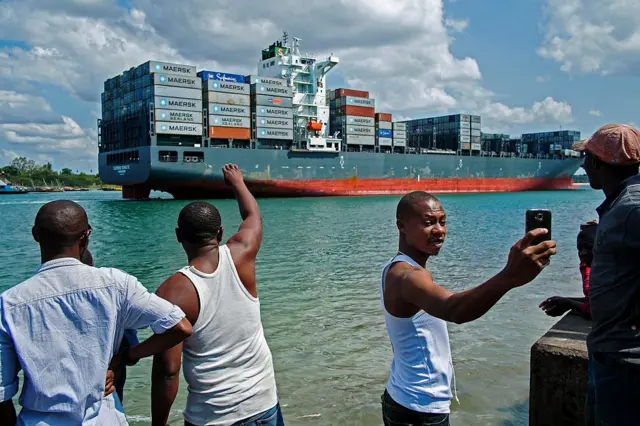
[523, 65]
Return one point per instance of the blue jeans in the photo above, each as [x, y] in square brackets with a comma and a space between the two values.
[271, 417]
[613, 393]
[394, 414]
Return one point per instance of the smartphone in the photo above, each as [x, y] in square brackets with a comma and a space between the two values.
[538, 218]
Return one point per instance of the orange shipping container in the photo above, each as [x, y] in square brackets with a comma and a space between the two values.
[351, 92]
[383, 116]
[229, 133]
[358, 111]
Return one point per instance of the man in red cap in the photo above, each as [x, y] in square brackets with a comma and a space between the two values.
[612, 157]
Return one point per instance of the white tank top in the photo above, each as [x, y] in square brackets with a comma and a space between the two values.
[421, 369]
[226, 361]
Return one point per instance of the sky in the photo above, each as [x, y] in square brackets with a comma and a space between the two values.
[522, 65]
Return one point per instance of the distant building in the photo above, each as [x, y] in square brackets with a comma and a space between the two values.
[460, 132]
[549, 143]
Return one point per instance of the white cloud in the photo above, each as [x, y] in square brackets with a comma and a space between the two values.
[401, 52]
[593, 36]
[457, 25]
[542, 79]
[595, 113]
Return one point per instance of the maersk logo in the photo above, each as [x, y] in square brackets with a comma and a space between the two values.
[163, 102]
[274, 133]
[178, 128]
[358, 121]
[273, 90]
[228, 120]
[230, 110]
[228, 86]
[175, 103]
[269, 81]
[176, 80]
[273, 122]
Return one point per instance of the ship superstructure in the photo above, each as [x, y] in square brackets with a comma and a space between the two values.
[307, 77]
[169, 127]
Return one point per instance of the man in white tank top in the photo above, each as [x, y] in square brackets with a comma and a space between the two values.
[416, 310]
[227, 362]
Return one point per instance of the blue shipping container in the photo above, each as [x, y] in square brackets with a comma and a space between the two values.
[221, 76]
[385, 133]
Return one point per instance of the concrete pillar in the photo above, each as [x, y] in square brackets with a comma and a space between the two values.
[559, 368]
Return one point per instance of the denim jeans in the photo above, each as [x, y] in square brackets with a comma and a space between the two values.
[613, 393]
[271, 417]
[394, 414]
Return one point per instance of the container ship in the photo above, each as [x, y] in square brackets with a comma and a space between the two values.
[169, 127]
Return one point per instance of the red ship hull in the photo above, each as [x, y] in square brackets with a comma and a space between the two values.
[349, 187]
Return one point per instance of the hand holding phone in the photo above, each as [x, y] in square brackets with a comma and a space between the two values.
[538, 218]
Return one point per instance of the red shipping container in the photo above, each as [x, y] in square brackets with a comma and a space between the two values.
[383, 116]
[340, 93]
[358, 111]
[229, 133]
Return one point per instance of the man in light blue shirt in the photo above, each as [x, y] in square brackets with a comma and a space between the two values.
[64, 325]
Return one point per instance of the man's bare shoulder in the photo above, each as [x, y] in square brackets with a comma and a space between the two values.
[405, 273]
[175, 285]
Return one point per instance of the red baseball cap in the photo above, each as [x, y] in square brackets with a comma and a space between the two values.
[616, 144]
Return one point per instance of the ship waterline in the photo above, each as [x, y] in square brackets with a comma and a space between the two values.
[284, 173]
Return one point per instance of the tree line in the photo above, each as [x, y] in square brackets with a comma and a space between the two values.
[25, 172]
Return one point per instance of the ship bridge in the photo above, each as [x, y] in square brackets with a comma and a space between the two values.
[307, 76]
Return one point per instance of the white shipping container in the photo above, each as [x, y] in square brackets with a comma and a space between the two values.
[255, 79]
[466, 139]
[274, 123]
[359, 121]
[227, 87]
[165, 128]
[361, 102]
[264, 111]
[399, 142]
[384, 125]
[465, 132]
[476, 132]
[385, 142]
[176, 103]
[178, 116]
[177, 81]
[475, 147]
[167, 68]
[280, 134]
[359, 130]
[237, 111]
[400, 126]
[229, 121]
[399, 134]
[359, 140]
[276, 101]
[227, 98]
[268, 89]
[465, 118]
[177, 92]
[475, 125]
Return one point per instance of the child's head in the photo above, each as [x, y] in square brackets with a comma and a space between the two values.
[585, 242]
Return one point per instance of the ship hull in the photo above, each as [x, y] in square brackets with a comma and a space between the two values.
[279, 173]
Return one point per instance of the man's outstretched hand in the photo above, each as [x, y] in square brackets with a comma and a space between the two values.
[232, 175]
[556, 306]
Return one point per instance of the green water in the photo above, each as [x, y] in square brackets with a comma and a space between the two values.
[318, 275]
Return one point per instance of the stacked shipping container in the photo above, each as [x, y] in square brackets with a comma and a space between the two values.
[384, 132]
[171, 91]
[227, 99]
[272, 108]
[399, 136]
[353, 116]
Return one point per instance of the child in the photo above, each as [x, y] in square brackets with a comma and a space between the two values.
[556, 306]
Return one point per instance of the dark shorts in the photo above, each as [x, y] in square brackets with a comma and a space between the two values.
[613, 393]
[271, 417]
[394, 414]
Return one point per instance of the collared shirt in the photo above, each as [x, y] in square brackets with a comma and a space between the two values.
[615, 274]
[62, 327]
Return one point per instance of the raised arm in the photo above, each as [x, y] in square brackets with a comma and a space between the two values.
[245, 243]
[165, 375]
[524, 264]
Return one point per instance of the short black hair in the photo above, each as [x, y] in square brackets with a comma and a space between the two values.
[61, 223]
[408, 203]
[199, 222]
